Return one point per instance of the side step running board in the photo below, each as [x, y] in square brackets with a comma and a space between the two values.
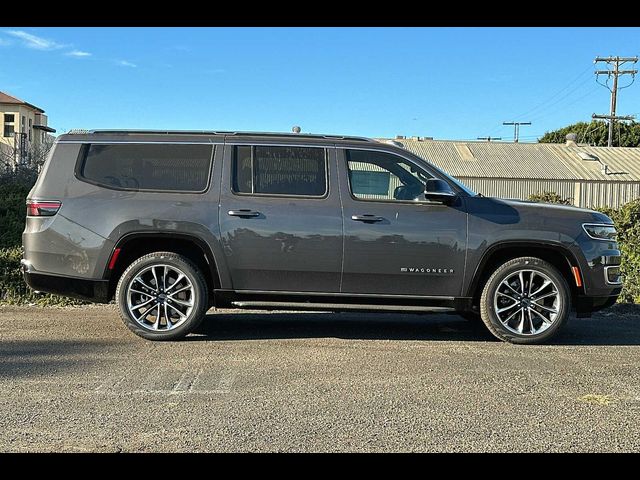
[338, 306]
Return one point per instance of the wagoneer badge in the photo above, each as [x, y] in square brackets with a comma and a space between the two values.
[432, 271]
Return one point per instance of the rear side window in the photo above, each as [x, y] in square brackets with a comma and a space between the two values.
[280, 171]
[166, 167]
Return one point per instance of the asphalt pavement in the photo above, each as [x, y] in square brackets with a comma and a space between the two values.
[75, 379]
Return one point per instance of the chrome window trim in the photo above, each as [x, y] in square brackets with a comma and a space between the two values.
[431, 168]
[301, 144]
[84, 150]
[380, 200]
[324, 196]
[116, 142]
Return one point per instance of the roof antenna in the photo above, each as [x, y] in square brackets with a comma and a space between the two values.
[296, 129]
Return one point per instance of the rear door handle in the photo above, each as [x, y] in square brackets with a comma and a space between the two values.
[367, 218]
[243, 212]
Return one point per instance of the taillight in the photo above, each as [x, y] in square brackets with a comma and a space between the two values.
[42, 209]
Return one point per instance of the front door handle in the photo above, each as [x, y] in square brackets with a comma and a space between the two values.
[367, 218]
[243, 212]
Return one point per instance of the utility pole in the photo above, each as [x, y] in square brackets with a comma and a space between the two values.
[488, 139]
[617, 62]
[516, 129]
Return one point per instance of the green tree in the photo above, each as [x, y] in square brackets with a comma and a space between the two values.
[596, 133]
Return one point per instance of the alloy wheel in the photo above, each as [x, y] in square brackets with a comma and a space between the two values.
[527, 302]
[160, 297]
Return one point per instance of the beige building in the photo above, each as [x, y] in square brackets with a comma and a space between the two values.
[24, 130]
[590, 176]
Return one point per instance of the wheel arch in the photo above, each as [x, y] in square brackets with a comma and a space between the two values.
[558, 255]
[133, 245]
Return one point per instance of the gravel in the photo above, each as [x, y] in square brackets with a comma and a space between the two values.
[75, 379]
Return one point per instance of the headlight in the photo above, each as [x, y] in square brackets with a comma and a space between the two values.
[600, 232]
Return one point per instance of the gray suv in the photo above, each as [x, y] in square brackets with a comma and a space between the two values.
[173, 223]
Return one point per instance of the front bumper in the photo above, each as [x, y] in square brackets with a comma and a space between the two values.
[599, 262]
[90, 290]
[585, 306]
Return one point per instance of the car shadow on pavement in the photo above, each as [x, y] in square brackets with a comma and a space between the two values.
[595, 331]
[599, 331]
[48, 357]
[364, 326]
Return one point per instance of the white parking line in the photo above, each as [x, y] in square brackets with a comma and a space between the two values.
[200, 381]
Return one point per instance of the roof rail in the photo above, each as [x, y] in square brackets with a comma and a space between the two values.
[220, 132]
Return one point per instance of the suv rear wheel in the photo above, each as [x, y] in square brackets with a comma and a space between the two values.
[162, 296]
[526, 300]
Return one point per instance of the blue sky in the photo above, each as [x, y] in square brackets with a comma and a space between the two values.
[450, 83]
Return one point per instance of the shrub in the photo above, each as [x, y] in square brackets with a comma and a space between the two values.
[14, 188]
[550, 197]
[627, 221]
[12, 214]
[13, 289]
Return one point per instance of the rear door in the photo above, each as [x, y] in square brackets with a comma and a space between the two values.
[395, 241]
[280, 217]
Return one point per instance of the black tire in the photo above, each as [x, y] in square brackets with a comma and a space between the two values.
[487, 308]
[199, 297]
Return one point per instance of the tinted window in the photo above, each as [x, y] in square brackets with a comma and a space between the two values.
[383, 176]
[280, 171]
[149, 167]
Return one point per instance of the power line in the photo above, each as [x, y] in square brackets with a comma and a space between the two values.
[489, 138]
[549, 101]
[614, 73]
[562, 107]
[558, 93]
[597, 126]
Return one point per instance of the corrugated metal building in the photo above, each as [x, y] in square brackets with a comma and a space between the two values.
[591, 176]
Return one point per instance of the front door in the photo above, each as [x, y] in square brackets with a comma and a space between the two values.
[280, 218]
[395, 241]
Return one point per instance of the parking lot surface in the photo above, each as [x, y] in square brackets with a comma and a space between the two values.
[75, 379]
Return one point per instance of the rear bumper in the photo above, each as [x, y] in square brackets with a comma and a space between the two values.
[587, 305]
[90, 290]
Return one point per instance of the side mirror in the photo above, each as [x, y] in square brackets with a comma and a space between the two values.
[439, 191]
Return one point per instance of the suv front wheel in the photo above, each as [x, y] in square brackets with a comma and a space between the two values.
[526, 300]
[162, 296]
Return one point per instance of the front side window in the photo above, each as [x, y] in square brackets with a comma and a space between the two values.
[384, 176]
[166, 167]
[280, 170]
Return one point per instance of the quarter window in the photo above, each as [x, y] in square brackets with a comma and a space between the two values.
[383, 176]
[280, 170]
[169, 167]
